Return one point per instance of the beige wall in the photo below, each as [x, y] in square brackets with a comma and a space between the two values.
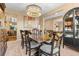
[58, 24]
[52, 23]
[48, 24]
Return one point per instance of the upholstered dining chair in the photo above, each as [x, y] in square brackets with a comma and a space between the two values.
[30, 43]
[51, 48]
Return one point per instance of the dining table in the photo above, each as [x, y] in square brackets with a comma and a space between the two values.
[43, 37]
[40, 37]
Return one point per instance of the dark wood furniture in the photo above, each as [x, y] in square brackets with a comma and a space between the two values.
[30, 43]
[71, 28]
[3, 42]
[51, 48]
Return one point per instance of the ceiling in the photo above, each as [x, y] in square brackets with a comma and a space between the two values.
[21, 7]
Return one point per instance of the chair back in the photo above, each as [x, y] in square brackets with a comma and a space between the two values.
[27, 33]
[22, 34]
[55, 42]
[28, 39]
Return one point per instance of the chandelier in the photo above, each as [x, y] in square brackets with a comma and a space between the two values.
[33, 10]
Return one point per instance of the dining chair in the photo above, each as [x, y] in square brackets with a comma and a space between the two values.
[30, 43]
[22, 38]
[51, 48]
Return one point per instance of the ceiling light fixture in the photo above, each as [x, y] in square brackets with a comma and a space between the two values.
[33, 10]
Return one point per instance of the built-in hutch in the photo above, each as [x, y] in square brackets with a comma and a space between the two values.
[71, 28]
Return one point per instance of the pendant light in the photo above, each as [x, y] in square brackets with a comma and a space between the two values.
[33, 10]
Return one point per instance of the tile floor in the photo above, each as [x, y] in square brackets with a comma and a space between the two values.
[14, 49]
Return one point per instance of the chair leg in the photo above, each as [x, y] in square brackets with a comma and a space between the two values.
[59, 53]
[29, 52]
[63, 43]
[26, 50]
[22, 44]
[39, 52]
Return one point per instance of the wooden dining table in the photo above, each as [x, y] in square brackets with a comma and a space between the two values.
[37, 38]
[40, 37]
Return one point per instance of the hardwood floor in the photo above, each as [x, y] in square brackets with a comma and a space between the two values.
[14, 49]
